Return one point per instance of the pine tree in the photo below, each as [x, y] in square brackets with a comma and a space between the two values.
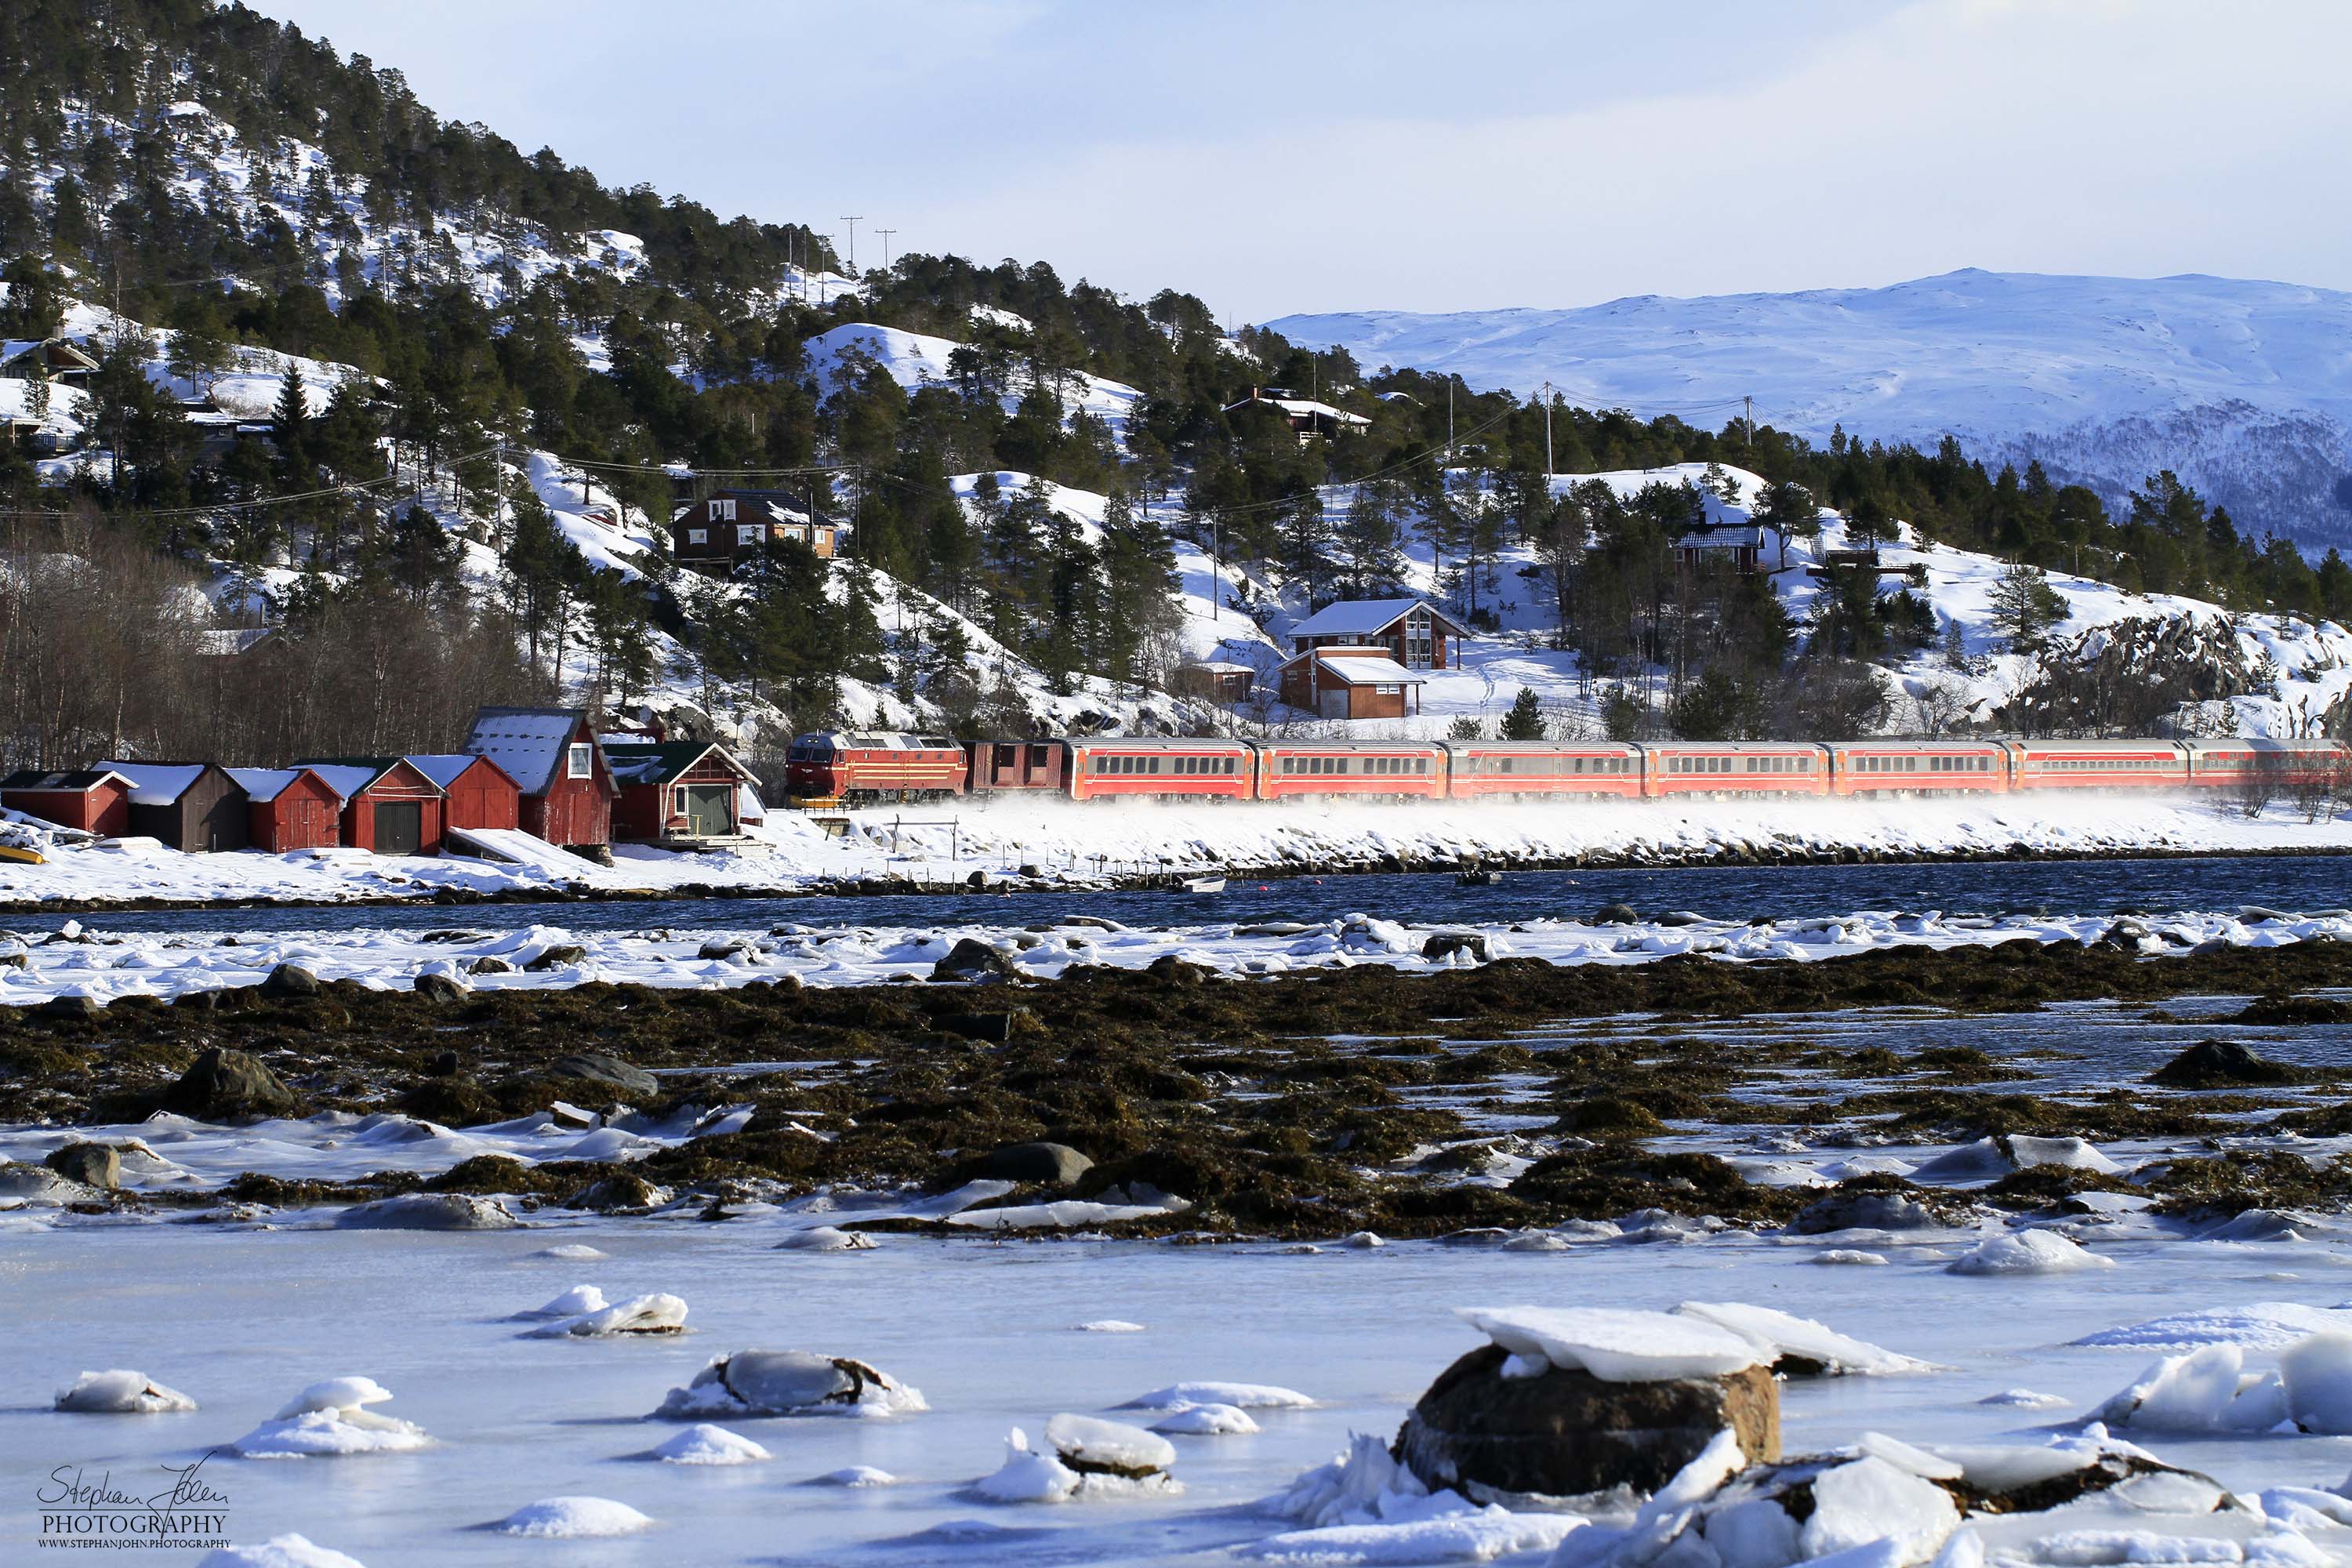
[1525, 720]
[289, 431]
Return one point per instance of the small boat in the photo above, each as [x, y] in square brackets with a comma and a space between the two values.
[1204, 884]
[1478, 878]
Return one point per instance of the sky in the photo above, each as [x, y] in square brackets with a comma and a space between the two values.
[1275, 156]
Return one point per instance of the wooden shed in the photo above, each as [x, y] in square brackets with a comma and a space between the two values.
[476, 792]
[289, 808]
[389, 805]
[96, 800]
[684, 793]
[553, 756]
[191, 807]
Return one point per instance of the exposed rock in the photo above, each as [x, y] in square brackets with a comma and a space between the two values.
[427, 1211]
[727, 947]
[2220, 1064]
[289, 980]
[489, 965]
[996, 1028]
[223, 1085]
[1048, 1164]
[71, 1008]
[1564, 1433]
[592, 1066]
[91, 1165]
[624, 1192]
[1614, 915]
[440, 988]
[1169, 969]
[1446, 944]
[785, 1383]
[1863, 1211]
[561, 956]
[970, 958]
[446, 1064]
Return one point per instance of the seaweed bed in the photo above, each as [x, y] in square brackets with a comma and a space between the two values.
[1304, 1105]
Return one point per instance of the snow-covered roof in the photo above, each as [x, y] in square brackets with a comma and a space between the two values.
[528, 743]
[1222, 667]
[1365, 669]
[157, 784]
[1722, 539]
[1302, 408]
[1362, 617]
[346, 779]
[225, 642]
[748, 807]
[79, 781]
[443, 767]
[641, 762]
[266, 784]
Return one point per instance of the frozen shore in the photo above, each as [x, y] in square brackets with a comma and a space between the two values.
[1052, 844]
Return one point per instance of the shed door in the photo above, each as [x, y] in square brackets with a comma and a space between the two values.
[399, 826]
[709, 810]
[1334, 702]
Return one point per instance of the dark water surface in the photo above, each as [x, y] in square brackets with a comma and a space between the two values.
[2304, 884]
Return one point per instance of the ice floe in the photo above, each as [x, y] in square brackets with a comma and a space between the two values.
[658, 1313]
[1240, 1396]
[278, 1551]
[331, 1418]
[1206, 1421]
[788, 1383]
[1085, 1458]
[117, 1392]
[1615, 1344]
[2026, 1252]
[574, 1519]
[705, 1444]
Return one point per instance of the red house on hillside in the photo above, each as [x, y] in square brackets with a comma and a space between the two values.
[685, 792]
[389, 806]
[477, 792]
[553, 755]
[96, 800]
[289, 808]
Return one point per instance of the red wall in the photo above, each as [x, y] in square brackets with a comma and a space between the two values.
[105, 811]
[574, 811]
[303, 816]
[483, 796]
[401, 783]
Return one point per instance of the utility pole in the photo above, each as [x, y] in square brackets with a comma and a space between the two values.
[1548, 402]
[1449, 421]
[1748, 404]
[852, 222]
[886, 233]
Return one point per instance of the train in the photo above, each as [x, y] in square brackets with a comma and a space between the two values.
[869, 769]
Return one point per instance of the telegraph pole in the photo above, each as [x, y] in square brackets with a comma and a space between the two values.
[1748, 405]
[886, 233]
[852, 222]
[1548, 402]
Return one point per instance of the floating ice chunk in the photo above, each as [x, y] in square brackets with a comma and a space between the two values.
[826, 1239]
[572, 1252]
[427, 1211]
[1242, 1396]
[2264, 1326]
[1361, 1241]
[332, 1418]
[2208, 1390]
[1758, 1531]
[1473, 1535]
[570, 1304]
[1871, 1500]
[2256, 1225]
[2073, 1153]
[1981, 1160]
[2025, 1399]
[1091, 1443]
[1903, 1456]
[1848, 1257]
[2026, 1252]
[1026, 1476]
[2317, 1373]
[1617, 1344]
[788, 1382]
[1802, 1340]
[654, 1314]
[856, 1476]
[704, 1444]
[117, 1392]
[1110, 1326]
[1206, 1421]
[574, 1519]
[1671, 1509]
[278, 1551]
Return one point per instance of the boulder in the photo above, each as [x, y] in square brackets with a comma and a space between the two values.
[1564, 1432]
[439, 988]
[1047, 1165]
[1169, 969]
[612, 1072]
[2220, 1064]
[289, 980]
[223, 1085]
[996, 1028]
[446, 1064]
[624, 1192]
[971, 959]
[1863, 1211]
[1446, 944]
[490, 966]
[1614, 915]
[427, 1211]
[69, 1008]
[563, 955]
[728, 947]
[786, 1382]
[91, 1165]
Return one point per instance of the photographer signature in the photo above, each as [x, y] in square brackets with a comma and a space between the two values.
[67, 1488]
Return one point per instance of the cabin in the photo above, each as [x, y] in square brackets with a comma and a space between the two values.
[1741, 548]
[194, 807]
[1413, 632]
[1213, 680]
[712, 534]
[681, 792]
[288, 809]
[60, 361]
[475, 791]
[1312, 420]
[1343, 682]
[389, 805]
[564, 778]
[95, 800]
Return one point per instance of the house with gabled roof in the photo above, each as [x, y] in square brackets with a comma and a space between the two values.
[1414, 632]
[1310, 417]
[95, 800]
[289, 808]
[192, 807]
[678, 792]
[558, 764]
[60, 361]
[389, 805]
[1346, 682]
[712, 534]
[475, 791]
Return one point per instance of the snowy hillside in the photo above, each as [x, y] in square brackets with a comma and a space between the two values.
[916, 360]
[2243, 387]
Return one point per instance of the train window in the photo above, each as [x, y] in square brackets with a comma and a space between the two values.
[1421, 764]
[1151, 764]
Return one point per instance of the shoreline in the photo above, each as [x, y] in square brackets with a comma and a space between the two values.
[2021, 852]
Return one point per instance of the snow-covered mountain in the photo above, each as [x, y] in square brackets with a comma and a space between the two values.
[2244, 388]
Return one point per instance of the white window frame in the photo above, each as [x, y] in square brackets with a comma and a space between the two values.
[747, 534]
[579, 761]
[722, 511]
[698, 536]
